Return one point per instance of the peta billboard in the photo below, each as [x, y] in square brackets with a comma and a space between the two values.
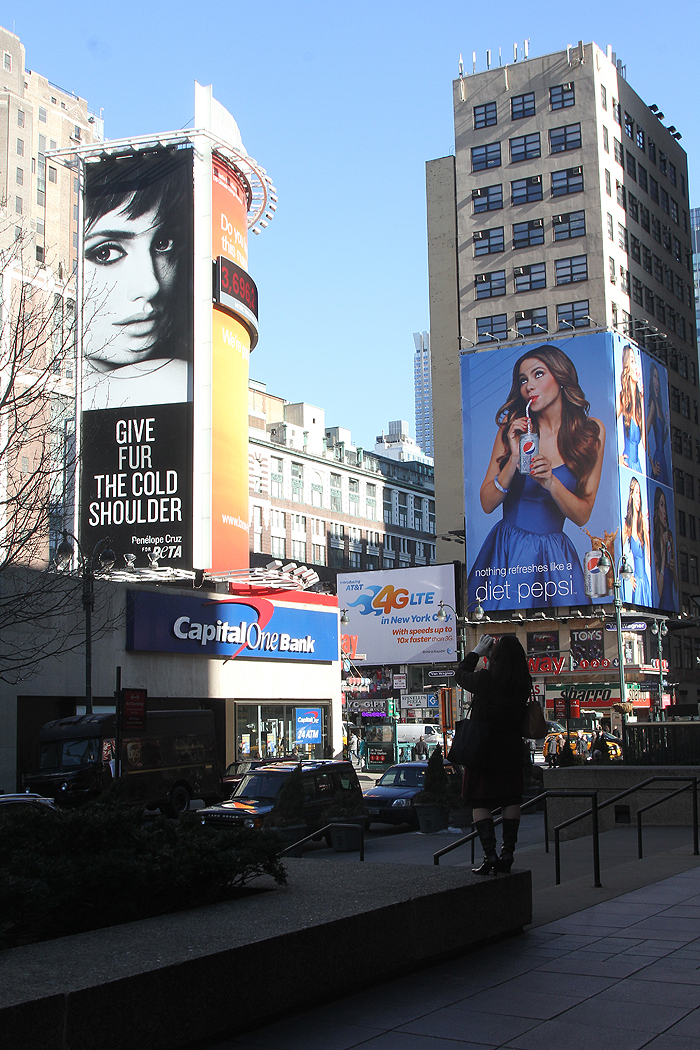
[567, 446]
[394, 615]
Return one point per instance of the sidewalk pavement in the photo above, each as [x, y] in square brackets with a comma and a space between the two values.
[623, 972]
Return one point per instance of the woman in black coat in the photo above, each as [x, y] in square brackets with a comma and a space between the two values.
[499, 698]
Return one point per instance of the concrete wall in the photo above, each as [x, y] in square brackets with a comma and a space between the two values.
[609, 781]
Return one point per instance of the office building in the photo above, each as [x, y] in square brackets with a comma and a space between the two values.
[423, 388]
[316, 498]
[695, 234]
[565, 210]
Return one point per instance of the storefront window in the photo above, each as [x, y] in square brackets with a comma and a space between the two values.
[270, 730]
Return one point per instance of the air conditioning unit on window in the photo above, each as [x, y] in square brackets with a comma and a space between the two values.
[576, 171]
[568, 87]
[478, 236]
[520, 315]
[557, 218]
[537, 222]
[518, 271]
[476, 193]
[482, 278]
[535, 180]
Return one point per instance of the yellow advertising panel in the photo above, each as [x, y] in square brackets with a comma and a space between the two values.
[230, 354]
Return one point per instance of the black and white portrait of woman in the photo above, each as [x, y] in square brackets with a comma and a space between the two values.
[137, 265]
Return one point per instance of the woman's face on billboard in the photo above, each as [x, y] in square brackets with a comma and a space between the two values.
[129, 273]
[537, 384]
[636, 495]
[663, 512]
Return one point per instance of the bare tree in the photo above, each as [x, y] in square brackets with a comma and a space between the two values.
[38, 605]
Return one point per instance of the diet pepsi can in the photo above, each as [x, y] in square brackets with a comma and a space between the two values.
[595, 580]
[529, 447]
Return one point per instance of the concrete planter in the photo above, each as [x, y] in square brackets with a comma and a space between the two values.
[346, 839]
[431, 818]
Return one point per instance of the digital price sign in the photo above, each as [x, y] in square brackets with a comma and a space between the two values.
[236, 291]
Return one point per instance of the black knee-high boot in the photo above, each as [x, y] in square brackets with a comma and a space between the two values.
[487, 836]
[510, 837]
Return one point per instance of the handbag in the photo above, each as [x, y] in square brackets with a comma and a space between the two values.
[534, 725]
[472, 744]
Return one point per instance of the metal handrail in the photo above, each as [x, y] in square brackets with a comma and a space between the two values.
[316, 835]
[658, 801]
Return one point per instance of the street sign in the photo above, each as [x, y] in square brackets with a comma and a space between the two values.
[399, 681]
[133, 708]
[439, 674]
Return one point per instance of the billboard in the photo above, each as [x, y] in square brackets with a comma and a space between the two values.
[137, 351]
[393, 614]
[243, 628]
[572, 462]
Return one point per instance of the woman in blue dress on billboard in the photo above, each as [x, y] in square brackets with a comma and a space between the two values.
[664, 553]
[658, 426]
[630, 410]
[635, 540]
[561, 482]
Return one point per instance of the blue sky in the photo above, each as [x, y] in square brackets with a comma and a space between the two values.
[342, 104]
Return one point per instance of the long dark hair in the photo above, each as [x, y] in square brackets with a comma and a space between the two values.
[630, 394]
[658, 525]
[508, 666]
[578, 439]
[629, 516]
[159, 180]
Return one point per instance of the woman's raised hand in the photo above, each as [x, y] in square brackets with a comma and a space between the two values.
[541, 470]
[516, 428]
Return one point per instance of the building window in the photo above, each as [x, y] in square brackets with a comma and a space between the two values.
[568, 226]
[53, 175]
[606, 140]
[530, 278]
[674, 210]
[19, 176]
[603, 96]
[631, 166]
[654, 190]
[573, 315]
[486, 242]
[18, 205]
[336, 493]
[486, 156]
[619, 153]
[528, 234]
[42, 115]
[621, 195]
[649, 300]
[633, 207]
[616, 111]
[526, 191]
[354, 497]
[490, 329]
[568, 181]
[531, 322]
[388, 516]
[431, 516]
[611, 229]
[565, 138]
[297, 482]
[608, 184]
[299, 550]
[20, 147]
[622, 239]
[7, 62]
[525, 147]
[403, 510]
[318, 554]
[489, 198]
[568, 271]
[489, 285]
[20, 118]
[278, 547]
[522, 106]
[562, 96]
[642, 178]
[485, 116]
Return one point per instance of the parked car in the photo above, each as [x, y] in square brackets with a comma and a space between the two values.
[391, 800]
[26, 801]
[325, 782]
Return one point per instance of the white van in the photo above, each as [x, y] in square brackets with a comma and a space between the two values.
[411, 732]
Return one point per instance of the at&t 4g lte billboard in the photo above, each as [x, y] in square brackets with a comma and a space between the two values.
[577, 452]
[169, 316]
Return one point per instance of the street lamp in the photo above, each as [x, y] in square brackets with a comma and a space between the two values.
[102, 558]
[624, 572]
[660, 629]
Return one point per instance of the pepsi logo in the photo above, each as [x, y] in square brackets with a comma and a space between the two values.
[528, 447]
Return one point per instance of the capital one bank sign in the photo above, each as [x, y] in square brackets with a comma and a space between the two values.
[250, 628]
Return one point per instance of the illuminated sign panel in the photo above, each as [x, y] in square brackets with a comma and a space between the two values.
[394, 615]
[598, 409]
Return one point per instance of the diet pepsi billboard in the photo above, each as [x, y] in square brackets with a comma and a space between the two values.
[577, 458]
[308, 726]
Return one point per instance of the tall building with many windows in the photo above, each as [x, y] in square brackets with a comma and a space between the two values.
[423, 387]
[316, 498]
[564, 209]
[695, 234]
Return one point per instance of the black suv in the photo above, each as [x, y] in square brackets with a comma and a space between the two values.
[325, 782]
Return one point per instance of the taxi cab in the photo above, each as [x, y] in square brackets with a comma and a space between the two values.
[614, 748]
